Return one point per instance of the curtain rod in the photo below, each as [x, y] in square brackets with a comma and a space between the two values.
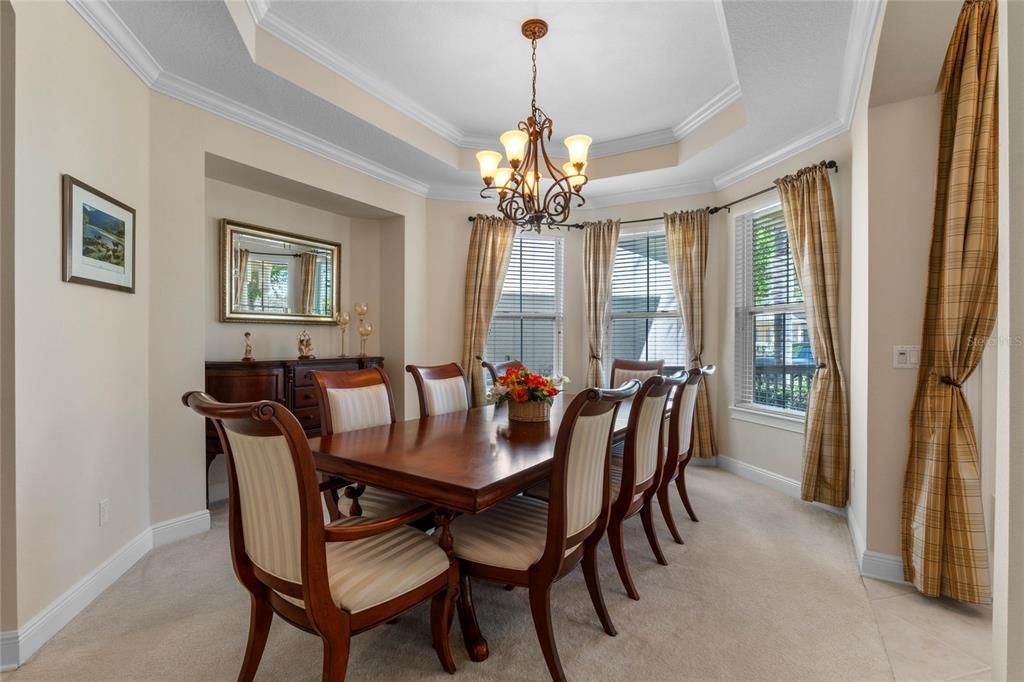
[711, 209]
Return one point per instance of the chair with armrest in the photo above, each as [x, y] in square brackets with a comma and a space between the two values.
[625, 370]
[333, 581]
[359, 399]
[531, 543]
[680, 446]
[496, 369]
[441, 388]
[636, 476]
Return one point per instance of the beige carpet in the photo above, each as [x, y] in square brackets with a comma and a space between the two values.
[766, 588]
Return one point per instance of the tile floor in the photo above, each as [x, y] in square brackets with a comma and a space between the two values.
[931, 639]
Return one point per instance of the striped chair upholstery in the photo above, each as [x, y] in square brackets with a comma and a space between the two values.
[445, 395]
[367, 572]
[268, 493]
[512, 534]
[687, 406]
[585, 472]
[359, 408]
[652, 415]
[621, 376]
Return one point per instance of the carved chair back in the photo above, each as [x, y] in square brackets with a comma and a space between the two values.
[626, 370]
[441, 388]
[275, 519]
[644, 443]
[579, 491]
[356, 399]
[684, 406]
[496, 369]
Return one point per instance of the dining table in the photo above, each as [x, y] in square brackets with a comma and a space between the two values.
[461, 463]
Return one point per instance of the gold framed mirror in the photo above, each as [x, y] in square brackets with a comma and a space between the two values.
[268, 275]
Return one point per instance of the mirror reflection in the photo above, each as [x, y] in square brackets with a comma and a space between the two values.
[275, 276]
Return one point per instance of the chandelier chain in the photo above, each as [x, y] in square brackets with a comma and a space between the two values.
[533, 59]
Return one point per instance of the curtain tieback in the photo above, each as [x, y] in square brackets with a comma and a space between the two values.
[949, 381]
[595, 357]
[822, 365]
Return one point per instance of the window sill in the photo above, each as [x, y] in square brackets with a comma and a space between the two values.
[776, 420]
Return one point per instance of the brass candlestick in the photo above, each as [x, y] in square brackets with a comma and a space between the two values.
[365, 329]
[343, 319]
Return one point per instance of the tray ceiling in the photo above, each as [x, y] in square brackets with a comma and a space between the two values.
[406, 91]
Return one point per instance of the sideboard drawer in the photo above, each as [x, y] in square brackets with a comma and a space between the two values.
[309, 417]
[307, 396]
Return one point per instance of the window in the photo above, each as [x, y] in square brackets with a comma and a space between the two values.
[644, 321]
[266, 284]
[527, 324]
[773, 353]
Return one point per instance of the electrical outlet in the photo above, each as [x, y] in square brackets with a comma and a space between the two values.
[104, 511]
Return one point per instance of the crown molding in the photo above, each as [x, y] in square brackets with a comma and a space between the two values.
[865, 19]
[318, 52]
[792, 148]
[192, 93]
[683, 189]
[115, 33]
[709, 110]
[105, 21]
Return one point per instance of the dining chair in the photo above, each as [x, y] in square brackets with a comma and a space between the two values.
[530, 543]
[359, 399]
[635, 477]
[496, 369]
[441, 388]
[334, 581]
[624, 370]
[680, 447]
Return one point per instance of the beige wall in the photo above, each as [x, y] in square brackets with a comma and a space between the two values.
[360, 267]
[360, 281]
[82, 425]
[1008, 578]
[8, 506]
[902, 154]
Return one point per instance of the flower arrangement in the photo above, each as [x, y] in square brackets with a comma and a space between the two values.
[519, 387]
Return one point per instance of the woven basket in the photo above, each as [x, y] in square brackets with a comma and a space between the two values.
[530, 411]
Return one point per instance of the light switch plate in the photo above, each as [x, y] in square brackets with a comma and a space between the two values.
[906, 357]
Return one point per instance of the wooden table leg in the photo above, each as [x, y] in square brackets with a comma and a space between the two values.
[476, 645]
[353, 492]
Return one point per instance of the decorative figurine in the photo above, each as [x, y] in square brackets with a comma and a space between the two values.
[365, 329]
[305, 346]
[342, 319]
[248, 348]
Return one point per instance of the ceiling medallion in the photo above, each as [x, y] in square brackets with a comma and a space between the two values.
[532, 192]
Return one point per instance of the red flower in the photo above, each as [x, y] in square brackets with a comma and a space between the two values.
[551, 390]
[519, 395]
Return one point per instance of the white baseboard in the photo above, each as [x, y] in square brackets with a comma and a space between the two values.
[17, 646]
[857, 540]
[882, 566]
[180, 528]
[786, 486]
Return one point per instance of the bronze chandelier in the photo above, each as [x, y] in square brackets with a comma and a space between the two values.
[520, 187]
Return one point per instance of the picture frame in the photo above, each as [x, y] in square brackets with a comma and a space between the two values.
[98, 234]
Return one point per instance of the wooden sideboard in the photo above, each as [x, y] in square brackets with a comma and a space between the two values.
[289, 382]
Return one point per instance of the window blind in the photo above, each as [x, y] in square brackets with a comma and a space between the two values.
[527, 323]
[266, 284]
[644, 321]
[773, 353]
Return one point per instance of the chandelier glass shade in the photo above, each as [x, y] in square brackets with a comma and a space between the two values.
[532, 190]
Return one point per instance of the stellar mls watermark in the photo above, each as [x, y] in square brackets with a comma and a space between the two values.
[1016, 341]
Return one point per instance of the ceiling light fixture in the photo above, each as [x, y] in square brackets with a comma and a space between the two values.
[532, 192]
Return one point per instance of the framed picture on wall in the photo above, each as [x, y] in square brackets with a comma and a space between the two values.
[99, 238]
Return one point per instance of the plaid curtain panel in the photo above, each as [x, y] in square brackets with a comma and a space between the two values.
[686, 240]
[944, 544]
[490, 246]
[811, 225]
[600, 240]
